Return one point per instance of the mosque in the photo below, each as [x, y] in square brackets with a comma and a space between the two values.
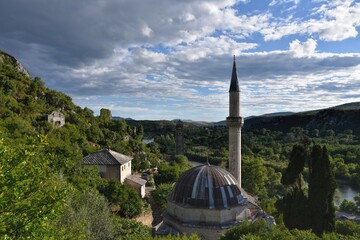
[208, 200]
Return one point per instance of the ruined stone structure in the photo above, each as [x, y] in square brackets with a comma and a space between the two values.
[179, 138]
[57, 119]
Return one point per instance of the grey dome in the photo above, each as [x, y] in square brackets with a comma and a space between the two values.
[207, 186]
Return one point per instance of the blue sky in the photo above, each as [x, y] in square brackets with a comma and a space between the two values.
[170, 59]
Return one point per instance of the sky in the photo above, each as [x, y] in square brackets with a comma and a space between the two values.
[171, 59]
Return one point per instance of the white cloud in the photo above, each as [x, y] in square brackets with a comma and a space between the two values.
[306, 49]
[332, 21]
[278, 2]
[146, 31]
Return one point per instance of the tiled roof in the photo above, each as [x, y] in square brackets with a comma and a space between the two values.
[136, 179]
[207, 186]
[106, 157]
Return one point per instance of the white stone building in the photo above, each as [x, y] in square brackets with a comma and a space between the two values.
[114, 165]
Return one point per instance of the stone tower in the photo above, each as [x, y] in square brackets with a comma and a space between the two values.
[179, 138]
[234, 123]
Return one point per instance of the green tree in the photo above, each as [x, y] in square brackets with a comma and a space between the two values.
[125, 229]
[322, 188]
[254, 176]
[122, 197]
[87, 216]
[31, 195]
[357, 200]
[167, 173]
[105, 115]
[294, 207]
[294, 203]
[348, 206]
[292, 174]
[348, 228]
[160, 195]
[245, 228]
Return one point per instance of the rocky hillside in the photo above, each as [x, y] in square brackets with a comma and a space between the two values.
[8, 59]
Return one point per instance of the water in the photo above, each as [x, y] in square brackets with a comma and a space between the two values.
[344, 191]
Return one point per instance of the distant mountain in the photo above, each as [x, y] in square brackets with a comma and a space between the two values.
[338, 118]
[277, 114]
[194, 123]
[121, 118]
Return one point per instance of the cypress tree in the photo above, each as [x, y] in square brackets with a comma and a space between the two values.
[292, 174]
[315, 211]
[322, 187]
[294, 204]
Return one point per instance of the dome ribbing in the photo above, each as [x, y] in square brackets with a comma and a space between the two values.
[207, 186]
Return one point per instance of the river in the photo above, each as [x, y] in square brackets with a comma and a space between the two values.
[344, 191]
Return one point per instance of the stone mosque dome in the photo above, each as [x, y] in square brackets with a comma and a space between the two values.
[207, 200]
[209, 187]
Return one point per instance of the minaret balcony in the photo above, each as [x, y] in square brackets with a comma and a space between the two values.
[235, 121]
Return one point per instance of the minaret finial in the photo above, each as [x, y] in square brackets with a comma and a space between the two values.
[234, 84]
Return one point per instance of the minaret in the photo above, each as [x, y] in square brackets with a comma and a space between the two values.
[179, 138]
[234, 123]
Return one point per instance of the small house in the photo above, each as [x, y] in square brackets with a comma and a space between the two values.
[114, 165]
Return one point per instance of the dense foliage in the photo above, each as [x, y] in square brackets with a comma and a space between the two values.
[45, 192]
[125, 199]
[31, 194]
[160, 195]
[259, 230]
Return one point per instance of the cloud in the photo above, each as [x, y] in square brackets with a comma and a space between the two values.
[77, 32]
[278, 2]
[178, 81]
[80, 32]
[331, 21]
[306, 49]
[178, 57]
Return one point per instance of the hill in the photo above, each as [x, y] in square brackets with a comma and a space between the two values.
[338, 119]
[43, 184]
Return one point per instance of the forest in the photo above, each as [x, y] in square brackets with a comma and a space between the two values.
[46, 193]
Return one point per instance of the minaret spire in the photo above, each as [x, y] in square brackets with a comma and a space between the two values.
[234, 122]
[234, 84]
